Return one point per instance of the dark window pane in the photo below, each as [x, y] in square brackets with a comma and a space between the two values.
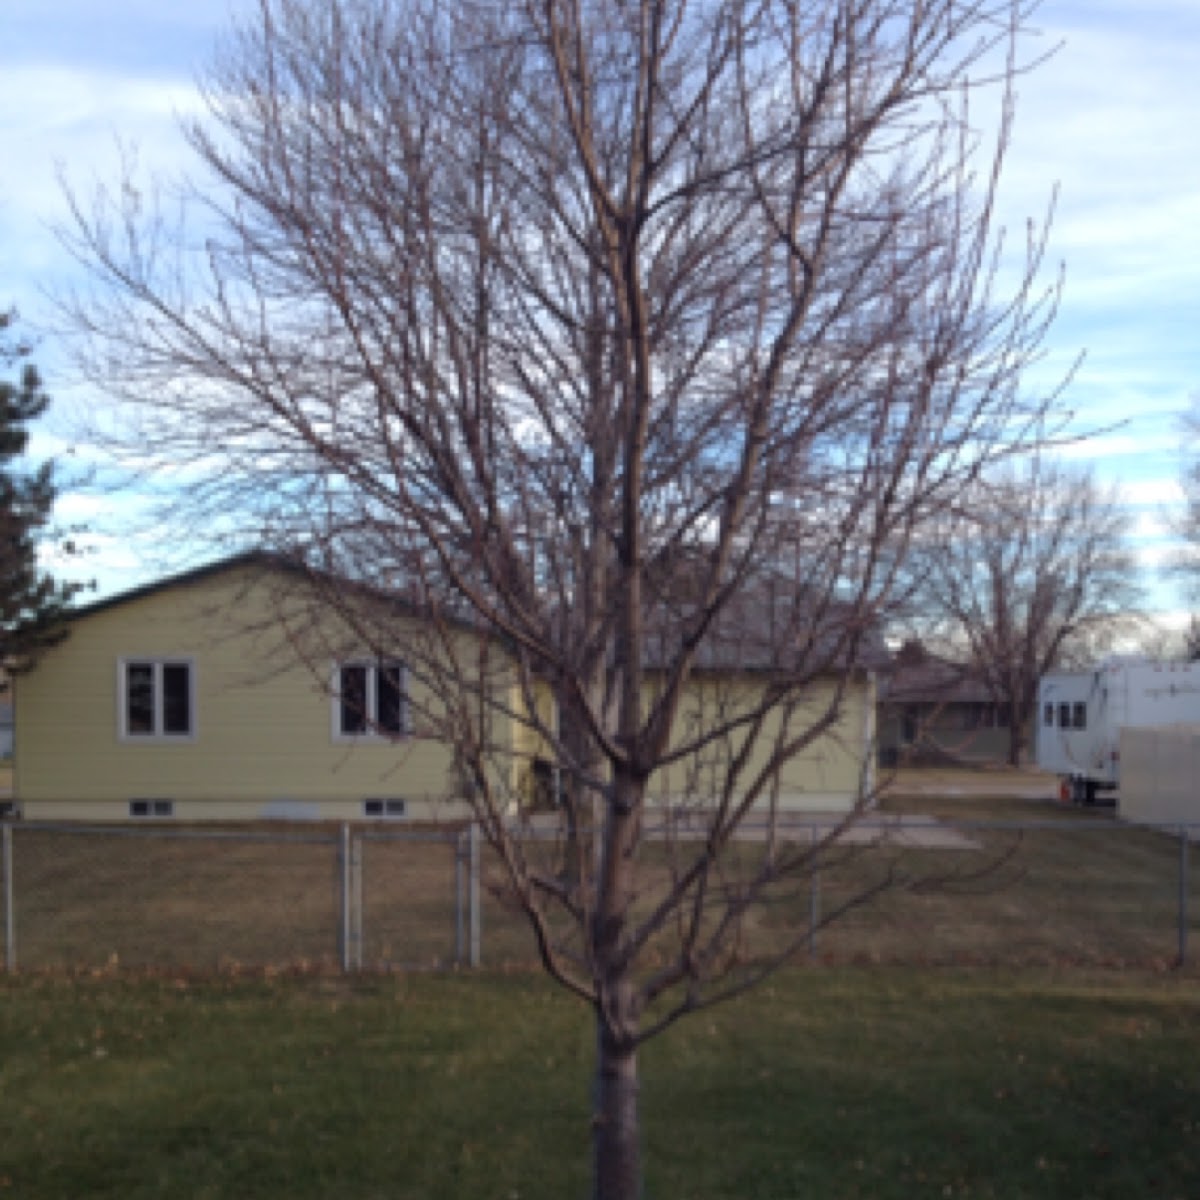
[139, 808]
[1048, 715]
[1080, 716]
[177, 698]
[352, 690]
[390, 698]
[1064, 716]
[384, 808]
[139, 698]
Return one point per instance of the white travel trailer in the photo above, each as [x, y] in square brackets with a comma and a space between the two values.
[1081, 714]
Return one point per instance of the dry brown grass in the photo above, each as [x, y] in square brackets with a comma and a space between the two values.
[1076, 888]
[221, 900]
[1085, 889]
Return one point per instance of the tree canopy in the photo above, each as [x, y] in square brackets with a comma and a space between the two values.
[1031, 570]
[32, 602]
[640, 337]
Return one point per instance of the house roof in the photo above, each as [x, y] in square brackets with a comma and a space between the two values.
[766, 627]
[916, 675]
[772, 624]
[247, 558]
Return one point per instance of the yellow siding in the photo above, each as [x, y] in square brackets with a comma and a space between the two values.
[265, 745]
[528, 741]
[264, 721]
[826, 775]
[232, 811]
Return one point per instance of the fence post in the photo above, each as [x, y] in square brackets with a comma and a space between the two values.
[1184, 881]
[356, 864]
[10, 914]
[460, 908]
[814, 897]
[474, 892]
[344, 889]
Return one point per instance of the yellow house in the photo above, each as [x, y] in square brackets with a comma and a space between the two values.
[207, 696]
[828, 774]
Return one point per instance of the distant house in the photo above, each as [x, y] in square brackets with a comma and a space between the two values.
[201, 697]
[933, 711]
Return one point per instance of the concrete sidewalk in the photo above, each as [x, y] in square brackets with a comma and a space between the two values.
[872, 828]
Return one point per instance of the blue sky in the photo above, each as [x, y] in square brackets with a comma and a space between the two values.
[1113, 119]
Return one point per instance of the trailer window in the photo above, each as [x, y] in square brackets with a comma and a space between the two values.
[1064, 716]
[1048, 715]
[1080, 715]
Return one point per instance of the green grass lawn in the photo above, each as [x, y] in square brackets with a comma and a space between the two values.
[827, 1083]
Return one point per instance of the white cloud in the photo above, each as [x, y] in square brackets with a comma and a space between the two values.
[1149, 528]
[1111, 118]
[1118, 445]
[76, 507]
[1166, 492]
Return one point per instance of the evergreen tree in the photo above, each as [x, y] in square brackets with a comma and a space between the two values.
[32, 602]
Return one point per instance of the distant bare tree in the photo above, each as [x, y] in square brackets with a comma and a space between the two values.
[640, 338]
[1185, 564]
[1032, 571]
[1164, 643]
[1190, 650]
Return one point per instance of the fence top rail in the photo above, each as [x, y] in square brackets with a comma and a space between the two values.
[310, 837]
[807, 826]
[1067, 824]
[826, 826]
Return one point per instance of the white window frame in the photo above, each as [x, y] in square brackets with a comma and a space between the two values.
[157, 736]
[372, 733]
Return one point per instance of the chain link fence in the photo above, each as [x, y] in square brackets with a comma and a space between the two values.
[81, 897]
[373, 898]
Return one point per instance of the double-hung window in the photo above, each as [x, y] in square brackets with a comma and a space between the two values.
[370, 699]
[157, 699]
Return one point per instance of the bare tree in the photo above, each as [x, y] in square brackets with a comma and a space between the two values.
[1185, 564]
[638, 339]
[1166, 643]
[1032, 571]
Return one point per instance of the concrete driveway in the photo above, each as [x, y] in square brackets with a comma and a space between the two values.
[910, 831]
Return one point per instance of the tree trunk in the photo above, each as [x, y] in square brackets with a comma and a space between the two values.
[1015, 739]
[616, 1156]
[616, 1151]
